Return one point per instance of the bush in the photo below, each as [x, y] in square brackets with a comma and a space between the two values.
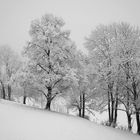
[121, 127]
[105, 123]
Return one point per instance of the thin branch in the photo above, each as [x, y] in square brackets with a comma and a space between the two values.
[122, 103]
[54, 96]
[42, 67]
[42, 92]
[90, 111]
[129, 89]
[56, 82]
[121, 109]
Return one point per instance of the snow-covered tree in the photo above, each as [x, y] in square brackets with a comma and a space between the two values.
[111, 49]
[9, 63]
[128, 52]
[50, 51]
[100, 45]
[84, 90]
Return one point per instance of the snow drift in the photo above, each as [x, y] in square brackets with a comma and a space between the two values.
[18, 122]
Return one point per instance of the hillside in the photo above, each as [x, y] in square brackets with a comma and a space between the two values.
[18, 122]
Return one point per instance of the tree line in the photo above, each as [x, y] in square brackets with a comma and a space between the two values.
[108, 77]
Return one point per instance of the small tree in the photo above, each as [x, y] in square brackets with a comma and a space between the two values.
[10, 63]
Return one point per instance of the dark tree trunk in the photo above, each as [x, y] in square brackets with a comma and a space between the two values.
[80, 112]
[129, 121]
[135, 105]
[127, 112]
[49, 98]
[138, 121]
[115, 108]
[110, 87]
[136, 109]
[110, 104]
[48, 105]
[115, 113]
[109, 112]
[3, 91]
[83, 109]
[80, 107]
[24, 99]
[9, 92]
[128, 99]
[112, 110]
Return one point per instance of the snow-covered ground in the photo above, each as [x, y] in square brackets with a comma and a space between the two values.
[18, 122]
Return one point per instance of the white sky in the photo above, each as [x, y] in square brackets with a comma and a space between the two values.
[81, 16]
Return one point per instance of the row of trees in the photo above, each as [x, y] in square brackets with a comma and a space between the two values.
[108, 77]
[115, 53]
[9, 65]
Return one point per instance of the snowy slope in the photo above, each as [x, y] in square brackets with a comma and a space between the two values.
[18, 122]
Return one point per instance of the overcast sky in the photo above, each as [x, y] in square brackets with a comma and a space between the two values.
[80, 16]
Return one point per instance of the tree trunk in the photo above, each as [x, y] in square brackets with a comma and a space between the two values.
[9, 92]
[109, 112]
[128, 99]
[127, 112]
[135, 105]
[83, 109]
[129, 121]
[80, 112]
[48, 105]
[115, 113]
[80, 107]
[3, 91]
[129, 117]
[138, 121]
[112, 110]
[136, 109]
[24, 99]
[49, 98]
[110, 104]
[115, 108]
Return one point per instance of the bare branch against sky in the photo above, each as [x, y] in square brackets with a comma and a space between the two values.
[81, 16]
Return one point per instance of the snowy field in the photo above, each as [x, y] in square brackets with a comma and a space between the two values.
[18, 122]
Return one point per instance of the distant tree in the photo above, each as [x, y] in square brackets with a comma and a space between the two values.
[84, 90]
[10, 63]
[23, 79]
[2, 82]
